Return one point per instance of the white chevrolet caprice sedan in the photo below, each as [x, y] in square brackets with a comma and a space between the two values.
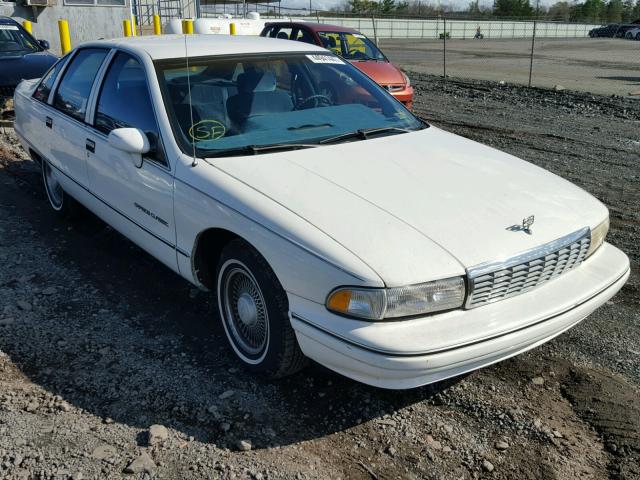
[329, 222]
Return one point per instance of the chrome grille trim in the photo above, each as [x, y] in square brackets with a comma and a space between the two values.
[493, 281]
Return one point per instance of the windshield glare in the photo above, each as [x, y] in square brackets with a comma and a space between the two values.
[352, 46]
[265, 100]
[14, 42]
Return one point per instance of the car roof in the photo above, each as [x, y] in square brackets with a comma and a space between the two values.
[7, 21]
[315, 27]
[160, 47]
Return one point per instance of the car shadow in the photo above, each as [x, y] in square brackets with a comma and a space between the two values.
[632, 80]
[127, 339]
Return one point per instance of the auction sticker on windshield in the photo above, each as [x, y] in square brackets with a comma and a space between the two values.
[8, 27]
[325, 59]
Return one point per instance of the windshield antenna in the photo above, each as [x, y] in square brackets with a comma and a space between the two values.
[193, 145]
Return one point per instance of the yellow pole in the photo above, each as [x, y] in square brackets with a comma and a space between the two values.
[232, 28]
[134, 27]
[27, 26]
[65, 39]
[187, 26]
[126, 26]
[157, 27]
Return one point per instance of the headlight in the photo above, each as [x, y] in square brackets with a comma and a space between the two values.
[381, 303]
[598, 235]
[406, 80]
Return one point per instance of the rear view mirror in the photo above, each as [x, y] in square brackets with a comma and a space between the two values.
[130, 140]
[44, 44]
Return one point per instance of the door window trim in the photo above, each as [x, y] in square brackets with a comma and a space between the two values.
[92, 107]
[54, 91]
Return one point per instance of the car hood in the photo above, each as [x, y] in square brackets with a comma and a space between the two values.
[422, 205]
[19, 67]
[384, 73]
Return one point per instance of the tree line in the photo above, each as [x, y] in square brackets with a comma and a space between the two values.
[591, 11]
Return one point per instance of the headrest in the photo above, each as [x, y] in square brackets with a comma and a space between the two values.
[256, 81]
[328, 42]
[283, 35]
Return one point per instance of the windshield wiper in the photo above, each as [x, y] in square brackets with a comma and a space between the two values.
[257, 149]
[364, 134]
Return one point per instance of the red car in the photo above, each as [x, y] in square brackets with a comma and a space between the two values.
[352, 46]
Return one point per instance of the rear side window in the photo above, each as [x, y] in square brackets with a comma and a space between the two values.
[73, 91]
[284, 33]
[124, 102]
[46, 84]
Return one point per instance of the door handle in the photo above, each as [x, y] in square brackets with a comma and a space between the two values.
[48, 122]
[90, 145]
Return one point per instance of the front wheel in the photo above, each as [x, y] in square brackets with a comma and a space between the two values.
[255, 313]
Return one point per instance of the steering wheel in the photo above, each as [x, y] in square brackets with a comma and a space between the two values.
[319, 99]
[355, 53]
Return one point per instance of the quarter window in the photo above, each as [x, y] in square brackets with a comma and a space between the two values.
[46, 84]
[124, 102]
[73, 92]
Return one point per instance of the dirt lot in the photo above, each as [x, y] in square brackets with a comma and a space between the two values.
[604, 66]
[98, 342]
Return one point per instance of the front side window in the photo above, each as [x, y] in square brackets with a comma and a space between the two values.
[303, 35]
[352, 46]
[13, 41]
[46, 84]
[124, 102]
[221, 105]
[73, 91]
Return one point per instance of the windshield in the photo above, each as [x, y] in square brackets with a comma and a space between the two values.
[352, 46]
[260, 100]
[14, 42]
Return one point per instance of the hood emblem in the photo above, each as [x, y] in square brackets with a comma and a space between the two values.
[525, 227]
[527, 222]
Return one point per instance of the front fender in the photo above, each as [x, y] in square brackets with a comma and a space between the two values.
[307, 262]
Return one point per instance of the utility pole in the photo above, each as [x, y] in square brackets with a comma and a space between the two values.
[533, 41]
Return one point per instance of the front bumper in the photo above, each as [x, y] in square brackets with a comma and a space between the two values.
[405, 96]
[410, 353]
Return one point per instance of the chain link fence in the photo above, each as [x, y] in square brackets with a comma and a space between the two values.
[539, 53]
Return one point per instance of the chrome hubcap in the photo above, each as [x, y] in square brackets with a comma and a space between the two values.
[245, 311]
[54, 189]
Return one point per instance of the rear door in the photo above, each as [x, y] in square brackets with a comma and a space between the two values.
[34, 118]
[138, 201]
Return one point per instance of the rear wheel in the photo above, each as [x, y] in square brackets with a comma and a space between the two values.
[255, 313]
[61, 202]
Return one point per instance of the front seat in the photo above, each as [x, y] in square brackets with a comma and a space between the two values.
[257, 95]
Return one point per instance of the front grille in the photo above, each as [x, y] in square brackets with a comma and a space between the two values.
[393, 88]
[495, 281]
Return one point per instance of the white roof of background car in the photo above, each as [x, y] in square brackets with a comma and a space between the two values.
[173, 46]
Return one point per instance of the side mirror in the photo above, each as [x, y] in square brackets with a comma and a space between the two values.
[44, 44]
[132, 141]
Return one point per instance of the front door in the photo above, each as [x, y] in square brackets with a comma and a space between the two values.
[137, 200]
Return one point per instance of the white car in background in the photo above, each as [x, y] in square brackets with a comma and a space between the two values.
[347, 231]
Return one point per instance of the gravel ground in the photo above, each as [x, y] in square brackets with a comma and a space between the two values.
[111, 366]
